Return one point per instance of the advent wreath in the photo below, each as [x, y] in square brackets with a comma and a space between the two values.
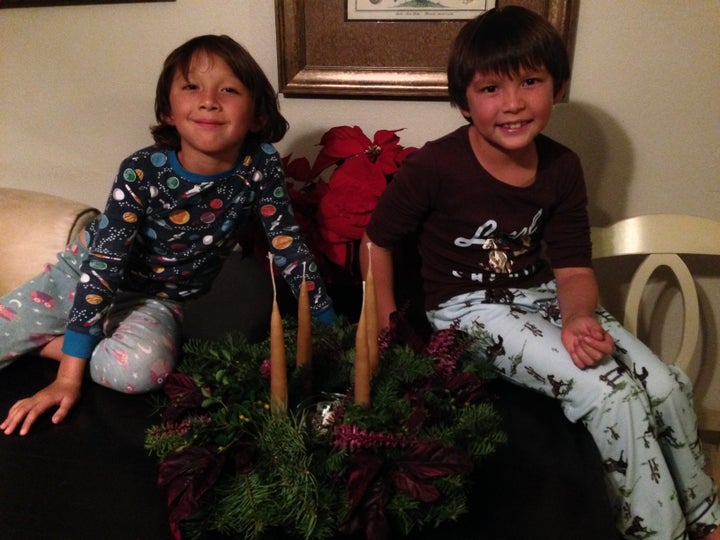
[327, 467]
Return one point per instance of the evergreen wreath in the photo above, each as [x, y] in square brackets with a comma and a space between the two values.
[327, 467]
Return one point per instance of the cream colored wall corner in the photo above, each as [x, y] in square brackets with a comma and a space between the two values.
[78, 82]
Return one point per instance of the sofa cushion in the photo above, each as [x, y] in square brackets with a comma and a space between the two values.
[33, 228]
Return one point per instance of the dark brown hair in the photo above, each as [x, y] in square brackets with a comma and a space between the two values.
[245, 68]
[503, 41]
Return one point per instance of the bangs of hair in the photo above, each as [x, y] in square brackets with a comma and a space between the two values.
[506, 55]
[234, 55]
[245, 68]
[505, 41]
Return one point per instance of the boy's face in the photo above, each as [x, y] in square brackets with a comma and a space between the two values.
[508, 112]
[212, 112]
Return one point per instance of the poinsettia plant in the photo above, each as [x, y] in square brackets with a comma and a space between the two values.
[333, 212]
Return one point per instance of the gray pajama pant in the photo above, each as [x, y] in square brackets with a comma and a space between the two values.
[142, 335]
[638, 409]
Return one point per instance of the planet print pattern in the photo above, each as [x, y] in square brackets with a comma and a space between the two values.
[165, 231]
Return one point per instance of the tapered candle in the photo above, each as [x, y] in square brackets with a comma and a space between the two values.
[371, 319]
[304, 337]
[362, 363]
[278, 369]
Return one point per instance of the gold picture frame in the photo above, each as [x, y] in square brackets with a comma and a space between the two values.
[322, 54]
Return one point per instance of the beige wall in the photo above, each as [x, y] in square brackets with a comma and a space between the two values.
[77, 83]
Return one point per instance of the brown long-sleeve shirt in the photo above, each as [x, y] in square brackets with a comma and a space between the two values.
[475, 231]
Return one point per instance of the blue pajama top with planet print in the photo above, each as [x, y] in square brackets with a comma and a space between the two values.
[165, 232]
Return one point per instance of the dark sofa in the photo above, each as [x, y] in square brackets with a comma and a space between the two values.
[90, 478]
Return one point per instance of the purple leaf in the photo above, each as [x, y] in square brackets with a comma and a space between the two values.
[425, 461]
[183, 393]
[188, 474]
[421, 491]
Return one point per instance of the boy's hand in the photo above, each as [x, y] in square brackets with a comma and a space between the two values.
[586, 341]
[63, 392]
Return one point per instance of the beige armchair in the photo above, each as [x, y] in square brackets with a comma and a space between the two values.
[33, 228]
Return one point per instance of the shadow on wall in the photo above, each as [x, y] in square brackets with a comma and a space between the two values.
[709, 348]
[606, 153]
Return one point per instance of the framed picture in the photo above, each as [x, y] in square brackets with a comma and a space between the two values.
[378, 48]
[43, 3]
[414, 10]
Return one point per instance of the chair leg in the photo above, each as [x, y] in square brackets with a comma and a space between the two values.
[711, 449]
[709, 423]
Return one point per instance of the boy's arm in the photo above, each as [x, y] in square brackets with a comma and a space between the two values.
[64, 392]
[382, 267]
[582, 335]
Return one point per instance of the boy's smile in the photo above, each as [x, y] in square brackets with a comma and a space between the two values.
[213, 112]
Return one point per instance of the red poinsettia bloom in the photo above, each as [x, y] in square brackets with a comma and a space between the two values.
[345, 210]
[333, 214]
[305, 191]
[297, 169]
[344, 142]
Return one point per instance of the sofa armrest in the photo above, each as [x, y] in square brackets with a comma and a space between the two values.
[34, 227]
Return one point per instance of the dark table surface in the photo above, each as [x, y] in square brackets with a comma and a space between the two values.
[90, 477]
[86, 478]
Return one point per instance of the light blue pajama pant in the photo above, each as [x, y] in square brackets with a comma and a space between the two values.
[142, 335]
[638, 409]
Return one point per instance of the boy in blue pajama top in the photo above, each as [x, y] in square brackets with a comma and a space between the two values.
[175, 211]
